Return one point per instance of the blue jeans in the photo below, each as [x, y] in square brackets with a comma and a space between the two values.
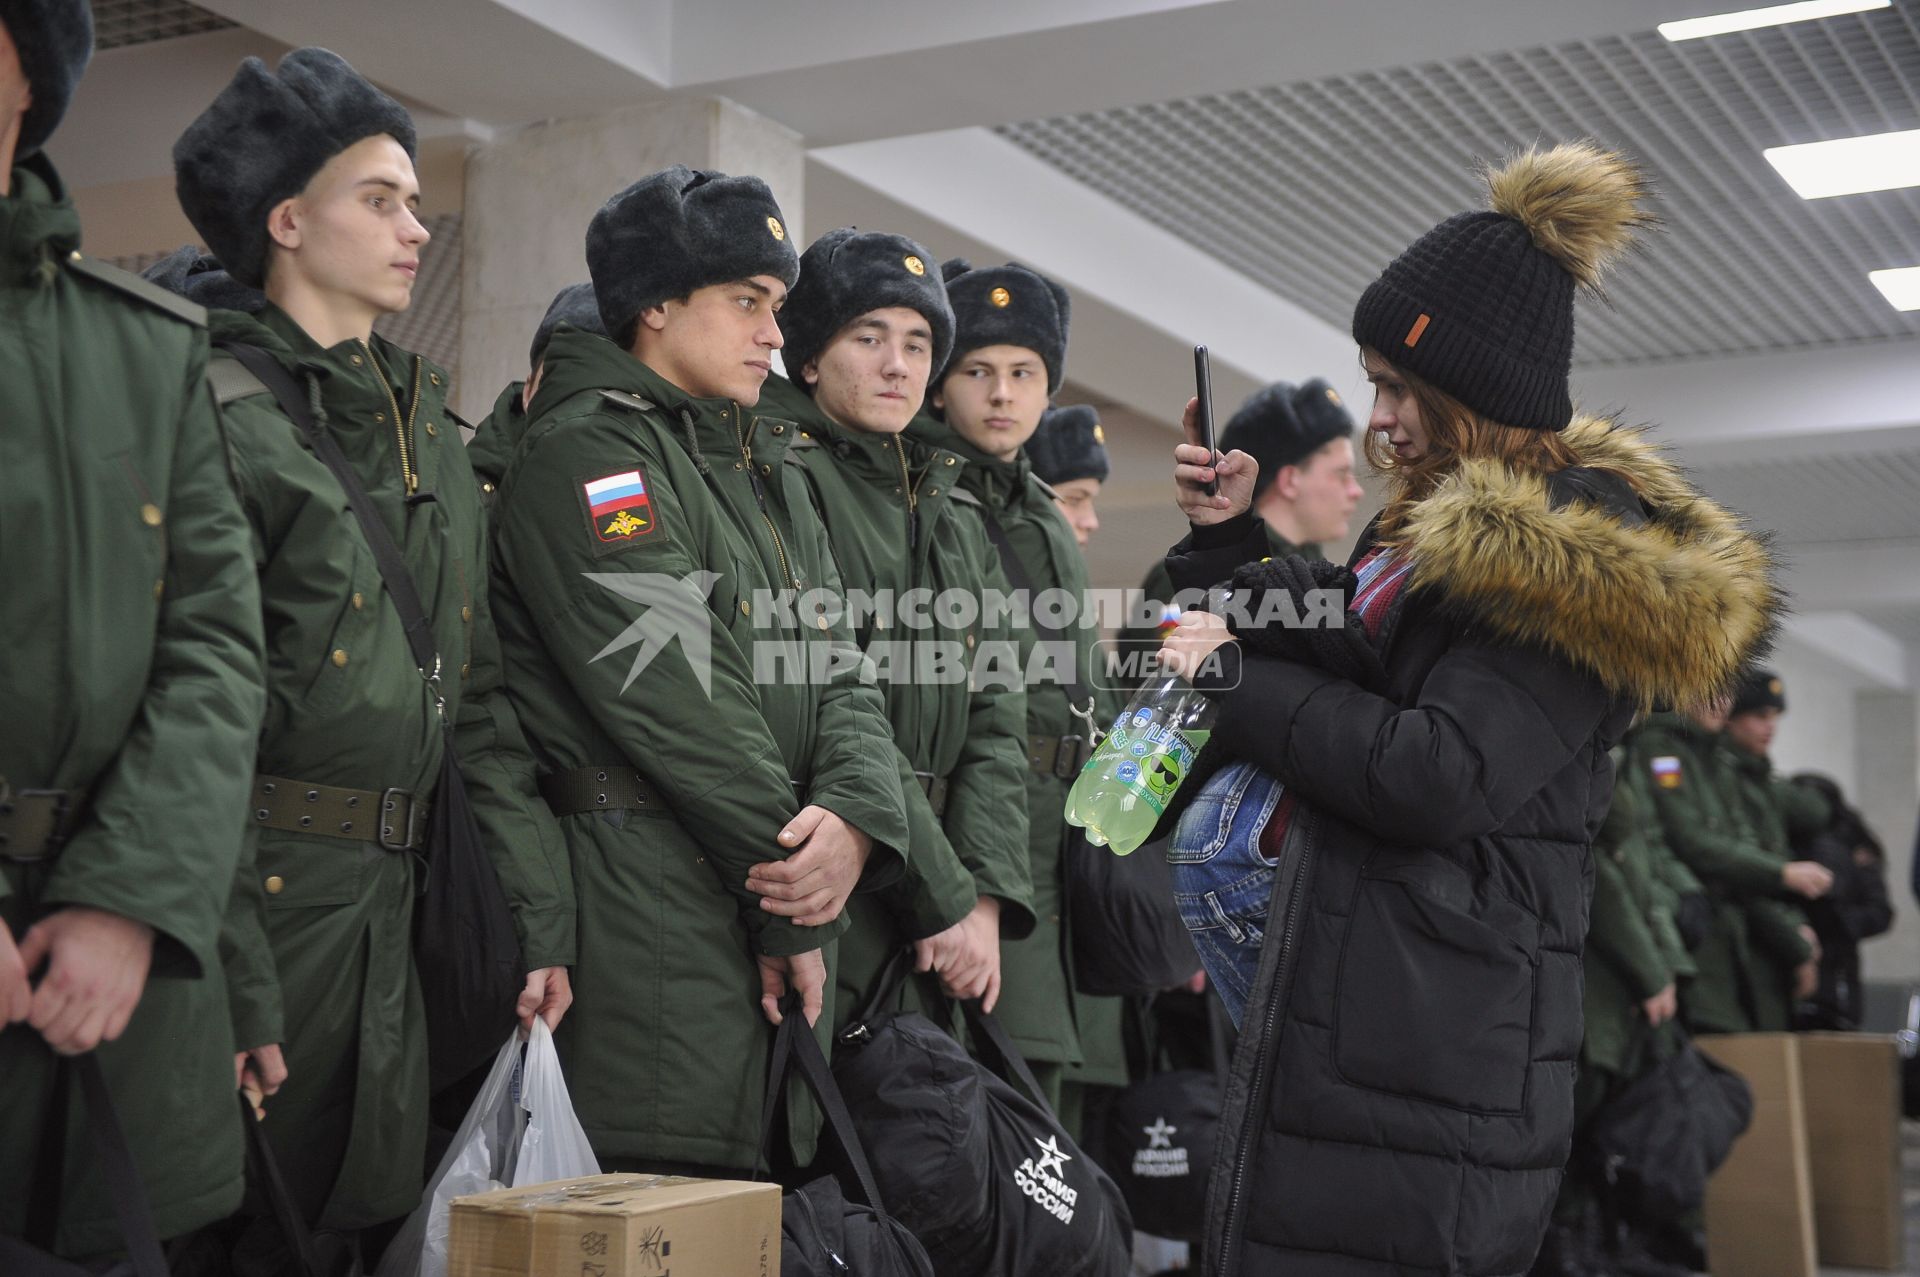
[1221, 881]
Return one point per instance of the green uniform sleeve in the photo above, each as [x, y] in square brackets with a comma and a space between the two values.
[1716, 856]
[696, 734]
[936, 891]
[522, 838]
[1775, 928]
[166, 817]
[987, 796]
[253, 981]
[1620, 934]
[852, 775]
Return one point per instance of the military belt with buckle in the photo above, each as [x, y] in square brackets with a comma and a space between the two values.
[389, 818]
[1061, 757]
[936, 789]
[36, 823]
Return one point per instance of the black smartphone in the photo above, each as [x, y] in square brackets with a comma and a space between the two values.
[1203, 390]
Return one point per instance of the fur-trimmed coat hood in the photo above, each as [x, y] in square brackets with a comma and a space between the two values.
[1620, 565]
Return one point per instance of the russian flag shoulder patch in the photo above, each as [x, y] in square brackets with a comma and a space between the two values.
[618, 508]
[1666, 771]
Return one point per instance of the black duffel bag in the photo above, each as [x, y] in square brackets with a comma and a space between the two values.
[1158, 1134]
[1126, 934]
[985, 1176]
[822, 1233]
[1661, 1137]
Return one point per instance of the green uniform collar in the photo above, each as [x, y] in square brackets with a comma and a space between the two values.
[871, 457]
[38, 223]
[999, 484]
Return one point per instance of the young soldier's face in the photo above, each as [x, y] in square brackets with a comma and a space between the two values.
[993, 398]
[1753, 731]
[1322, 491]
[718, 343]
[873, 375]
[1075, 499]
[355, 232]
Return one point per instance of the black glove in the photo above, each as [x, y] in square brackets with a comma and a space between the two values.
[1342, 649]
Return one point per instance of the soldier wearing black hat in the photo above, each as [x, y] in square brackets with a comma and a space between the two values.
[493, 442]
[1302, 436]
[654, 551]
[131, 695]
[1069, 454]
[300, 179]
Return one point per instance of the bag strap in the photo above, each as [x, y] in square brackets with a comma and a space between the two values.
[886, 986]
[288, 393]
[794, 1046]
[1078, 693]
[1012, 1064]
[293, 1227]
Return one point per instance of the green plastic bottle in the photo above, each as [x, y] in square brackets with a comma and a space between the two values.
[1127, 784]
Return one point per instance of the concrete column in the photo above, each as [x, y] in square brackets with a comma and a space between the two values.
[1888, 757]
[531, 193]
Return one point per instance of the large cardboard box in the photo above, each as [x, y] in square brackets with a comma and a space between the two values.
[1760, 1203]
[618, 1226]
[1851, 1083]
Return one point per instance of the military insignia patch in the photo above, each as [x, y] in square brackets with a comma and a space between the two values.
[618, 508]
[1666, 772]
[1001, 298]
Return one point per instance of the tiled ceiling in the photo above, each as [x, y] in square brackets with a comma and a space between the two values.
[118, 23]
[1310, 188]
[1858, 495]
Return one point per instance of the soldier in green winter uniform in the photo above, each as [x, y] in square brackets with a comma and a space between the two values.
[1781, 816]
[1302, 436]
[718, 797]
[1688, 771]
[1010, 343]
[865, 327]
[131, 693]
[318, 945]
[493, 444]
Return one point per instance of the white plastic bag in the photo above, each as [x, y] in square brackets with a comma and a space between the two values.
[520, 1130]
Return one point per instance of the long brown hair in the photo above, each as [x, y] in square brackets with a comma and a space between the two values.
[1455, 433]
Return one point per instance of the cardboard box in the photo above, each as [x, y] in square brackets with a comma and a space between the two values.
[618, 1226]
[1760, 1203]
[1851, 1084]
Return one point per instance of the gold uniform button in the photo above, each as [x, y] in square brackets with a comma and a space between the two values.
[779, 430]
[380, 416]
[969, 640]
[949, 460]
[356, 361]
[432, 430]
[746, 609]
[766, 469]
[465, 669]
[74, 256]
[434, 377]
[486, 487]
[359, 600]
[824, 627]
[466, 614]
[150, 515]
[340, 656]
[933, 492]
[275, 885]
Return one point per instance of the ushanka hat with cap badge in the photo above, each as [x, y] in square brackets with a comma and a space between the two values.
[1007, 306]
[263, 139]
[54, 41]
[1281, 425]
[1069, 445]
[1758, 689]
[679, 230]
[574, 305]
[1481, 306]
[847, 273]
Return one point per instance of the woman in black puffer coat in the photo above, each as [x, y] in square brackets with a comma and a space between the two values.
[1401, 1100]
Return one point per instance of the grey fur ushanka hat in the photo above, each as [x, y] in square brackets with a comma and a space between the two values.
[1007, 306]
[1069, 445]
[845, 274]
[263, 139]
[574, 305]
[679, 230]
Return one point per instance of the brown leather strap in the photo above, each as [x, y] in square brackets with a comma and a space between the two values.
[36, 823]
[389, 818]
[1058, 756]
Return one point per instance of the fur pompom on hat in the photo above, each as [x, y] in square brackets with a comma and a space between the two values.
[199, 277]
[1007, 306]
[845, 274]
[54, 39]
[1280, 425]
[1481, 306]
[679, 230]
[574, 305]
[263, 139]
[1069, 445]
